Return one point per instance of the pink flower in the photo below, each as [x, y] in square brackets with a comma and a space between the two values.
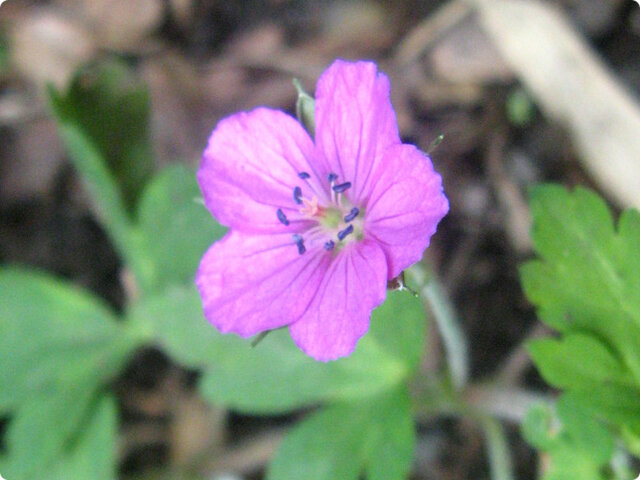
[316, 228]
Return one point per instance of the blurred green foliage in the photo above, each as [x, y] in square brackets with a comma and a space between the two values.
[110, 109]
[62, 346]
[520, 108]
[4, 55]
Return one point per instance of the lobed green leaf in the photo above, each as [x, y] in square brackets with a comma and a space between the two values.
[58, 437]
[587, 277]
[54, 336]
[174, 228]
[60, 346]
[577, 361]
[586, 284]
[578, 446]
[275, 376]
[373, 435]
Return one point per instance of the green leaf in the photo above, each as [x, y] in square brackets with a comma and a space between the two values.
[579, 447]
[619, 407]
[586, 284]
[103, 120]
[41, 428]
[587, 277]
[54, 336]
[111, 111]
[60, 346]
[45, 439]
[373, 435]
[577, 361]
[4, 54]
[584, 430]
[93, 454]
[175, 229]
[174, 320]
[536, 427]
[275, 376]
[88, 160]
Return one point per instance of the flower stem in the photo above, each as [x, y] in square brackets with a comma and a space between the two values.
[437, 398]
[498, 452]
[453, 338]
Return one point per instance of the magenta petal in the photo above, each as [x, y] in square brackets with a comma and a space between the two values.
[355, 123]
[251, 166]
[405, 207]
[252, 283]
[339, 314]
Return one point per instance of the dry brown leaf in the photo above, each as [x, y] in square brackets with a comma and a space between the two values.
[48, 47]
[572, 85]
[119, 24]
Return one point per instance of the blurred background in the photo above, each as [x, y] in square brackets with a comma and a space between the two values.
[522, 92]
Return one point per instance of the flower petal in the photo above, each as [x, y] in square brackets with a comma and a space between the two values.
[251, 166]
[405, 207]
[252, 283]
[355, 123]
[339, 314]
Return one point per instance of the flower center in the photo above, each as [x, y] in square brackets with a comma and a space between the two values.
[333, 225]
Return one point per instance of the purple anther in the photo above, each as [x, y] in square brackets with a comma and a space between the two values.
[299, 241]
[297, 195]
[341, 187]
[329, 245]
[332, 177]
[352, 214]
[282, 217]
[345, 232]
[303, 175]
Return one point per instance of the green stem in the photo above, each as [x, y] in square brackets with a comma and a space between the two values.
[453, 338]
[498, 451]
[438, 398]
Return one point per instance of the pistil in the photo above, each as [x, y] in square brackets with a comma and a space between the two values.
[332, 220]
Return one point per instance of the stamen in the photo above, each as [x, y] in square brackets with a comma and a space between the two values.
[303, 175]
[341, 187]
[352, 214]
[297, 195]
[298, 240]
[329, 245]
[282, 217]
[345, 232]
[332, 177]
